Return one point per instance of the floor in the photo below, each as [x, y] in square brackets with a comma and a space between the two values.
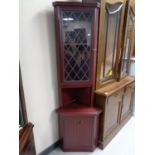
[122, 144]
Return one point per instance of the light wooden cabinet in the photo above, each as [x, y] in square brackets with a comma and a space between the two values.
[114, 87]
[115, 101]
[116, 40]
[112, 13]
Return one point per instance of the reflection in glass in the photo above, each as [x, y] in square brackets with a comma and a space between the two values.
[111, 31]
[76, 45]
[125, 59]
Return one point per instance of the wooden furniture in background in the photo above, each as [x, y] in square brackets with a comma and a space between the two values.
[128, 42]
[116, 102]
[114, 87]
[26, 138]
[76, 27]
[110, 40]
[26, 144]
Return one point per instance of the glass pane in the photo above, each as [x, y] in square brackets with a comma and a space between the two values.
[111, 31]
[76, 44]
[131, 18]
[125, 59]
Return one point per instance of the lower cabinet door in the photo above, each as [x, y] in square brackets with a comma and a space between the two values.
[79, 133]
[127, 101]
[112, 112]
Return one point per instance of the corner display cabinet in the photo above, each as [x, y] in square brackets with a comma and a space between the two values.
[76, 27]
[114, 93]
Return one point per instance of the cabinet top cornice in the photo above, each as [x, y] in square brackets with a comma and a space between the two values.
[96, 4]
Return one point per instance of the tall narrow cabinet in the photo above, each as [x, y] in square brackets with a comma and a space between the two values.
[76, 27]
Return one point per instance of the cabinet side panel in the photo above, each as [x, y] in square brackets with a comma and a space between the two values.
[58, 55]
[100, 102]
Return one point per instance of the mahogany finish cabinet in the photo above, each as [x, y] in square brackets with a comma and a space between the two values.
[76, 27]
[114, 93]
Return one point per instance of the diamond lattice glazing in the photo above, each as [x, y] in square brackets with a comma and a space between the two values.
[76, 44]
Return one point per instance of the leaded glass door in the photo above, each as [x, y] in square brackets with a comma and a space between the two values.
[76, 45]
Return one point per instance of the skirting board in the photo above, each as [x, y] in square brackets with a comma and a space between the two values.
[50, 148]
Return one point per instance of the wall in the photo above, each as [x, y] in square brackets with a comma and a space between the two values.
[38, 68]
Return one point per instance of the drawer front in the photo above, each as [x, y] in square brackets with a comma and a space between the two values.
[78, 131]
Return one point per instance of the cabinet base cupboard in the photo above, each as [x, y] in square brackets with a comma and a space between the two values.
[79, 128]
[116, 102]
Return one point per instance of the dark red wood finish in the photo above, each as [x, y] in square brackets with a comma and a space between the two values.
[89, 85]
[79, 128]
[76, 110]
[78, 120]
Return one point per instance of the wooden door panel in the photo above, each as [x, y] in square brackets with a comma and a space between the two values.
[77, 128]
[126, 106]
[112, 112]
